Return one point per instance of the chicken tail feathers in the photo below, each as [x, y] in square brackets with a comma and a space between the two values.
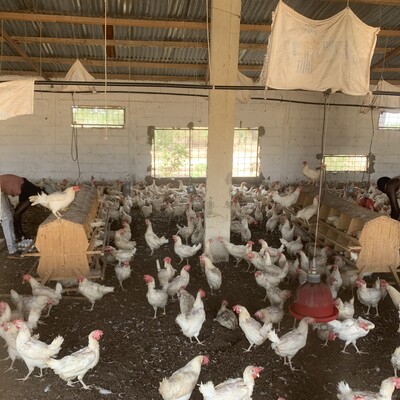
[207, 390]
[55, 345]
[272, 336]
[40, 198]
[158, 266]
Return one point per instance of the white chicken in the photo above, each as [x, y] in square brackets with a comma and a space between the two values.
[308, 212]
[226, 317]
[182, 280]
[255, 333]
[121, 255]
[56, 201]
[34, 352]
[166, 274]
[395, 360]
[123, 272]
[369, 297]
[92, 291]
[192, 322]
[213, 274]
[184, 251]
[41, 290]
[9, 333]
[157, 298]
[345, 308]
[290, 343]
[350, 330]
[385, 391]
[233, 388]
[77, 364]
[237, 251]
[312, 174]
[186, 231]
[123, 244]
[180, 385]
[186, 301]
[152, 240]
[287, 200]
[294, 246]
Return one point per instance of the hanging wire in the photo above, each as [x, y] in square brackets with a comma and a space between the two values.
[321, 179]
[74, 143]
[208, 43]
[76, 49]
[1, 47]
[105, 66]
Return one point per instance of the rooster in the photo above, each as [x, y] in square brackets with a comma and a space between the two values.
[255, 333]
[226, 317]
[152, 240]
[156, 298]
[233, 389]
[77, 364]
[312, 174]
[192, 322]
[385, 391]
[55, 201]
[290, 343]
[34, 352]
[183, 250]
[180, 385]
[350, 330]
[92, 291]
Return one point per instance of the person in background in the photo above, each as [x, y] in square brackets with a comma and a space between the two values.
[390, 186]
[11, 219]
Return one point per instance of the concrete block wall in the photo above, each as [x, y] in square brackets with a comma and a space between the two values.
[42, 145]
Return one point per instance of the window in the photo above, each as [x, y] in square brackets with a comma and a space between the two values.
[98, 117]
[389, 120]
[182, 153]
[346, 163]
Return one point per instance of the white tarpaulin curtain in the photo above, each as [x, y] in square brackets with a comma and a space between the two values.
[333, 53]
[16, 98]
[243, 96]
[78, 73]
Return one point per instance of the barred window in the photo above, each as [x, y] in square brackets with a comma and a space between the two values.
[98, 117]
[182, 153]
[389, 120]
[346, 163]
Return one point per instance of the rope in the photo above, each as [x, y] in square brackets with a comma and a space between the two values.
[105, 66]
[321, 178]
[208, 42]
[74, 144]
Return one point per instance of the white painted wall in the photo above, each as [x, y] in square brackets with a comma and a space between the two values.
[39, 145]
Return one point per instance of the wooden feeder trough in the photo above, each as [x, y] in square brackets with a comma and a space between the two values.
[375, 237]
[65, 244]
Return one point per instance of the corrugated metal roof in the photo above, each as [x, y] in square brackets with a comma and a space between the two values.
[191, 47]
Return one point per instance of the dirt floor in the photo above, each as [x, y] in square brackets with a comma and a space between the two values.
[137, 352]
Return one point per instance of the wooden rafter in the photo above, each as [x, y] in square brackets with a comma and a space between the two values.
[22, 53]
[65, 19]
[391, 54]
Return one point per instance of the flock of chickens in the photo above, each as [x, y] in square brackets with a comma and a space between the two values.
[273, 270]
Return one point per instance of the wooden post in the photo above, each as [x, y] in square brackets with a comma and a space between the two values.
[223, 64]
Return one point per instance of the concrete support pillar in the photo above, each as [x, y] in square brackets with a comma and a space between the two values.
[225, 31]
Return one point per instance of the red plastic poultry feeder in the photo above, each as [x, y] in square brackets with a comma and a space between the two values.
[314, 299]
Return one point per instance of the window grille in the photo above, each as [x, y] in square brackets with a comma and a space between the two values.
[346, 163]
[389, 120]
[98, 117]
[182, 153]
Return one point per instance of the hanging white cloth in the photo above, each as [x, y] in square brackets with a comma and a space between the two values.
[243, 96]
[333, 53]
[78, 73]
[16, 98]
